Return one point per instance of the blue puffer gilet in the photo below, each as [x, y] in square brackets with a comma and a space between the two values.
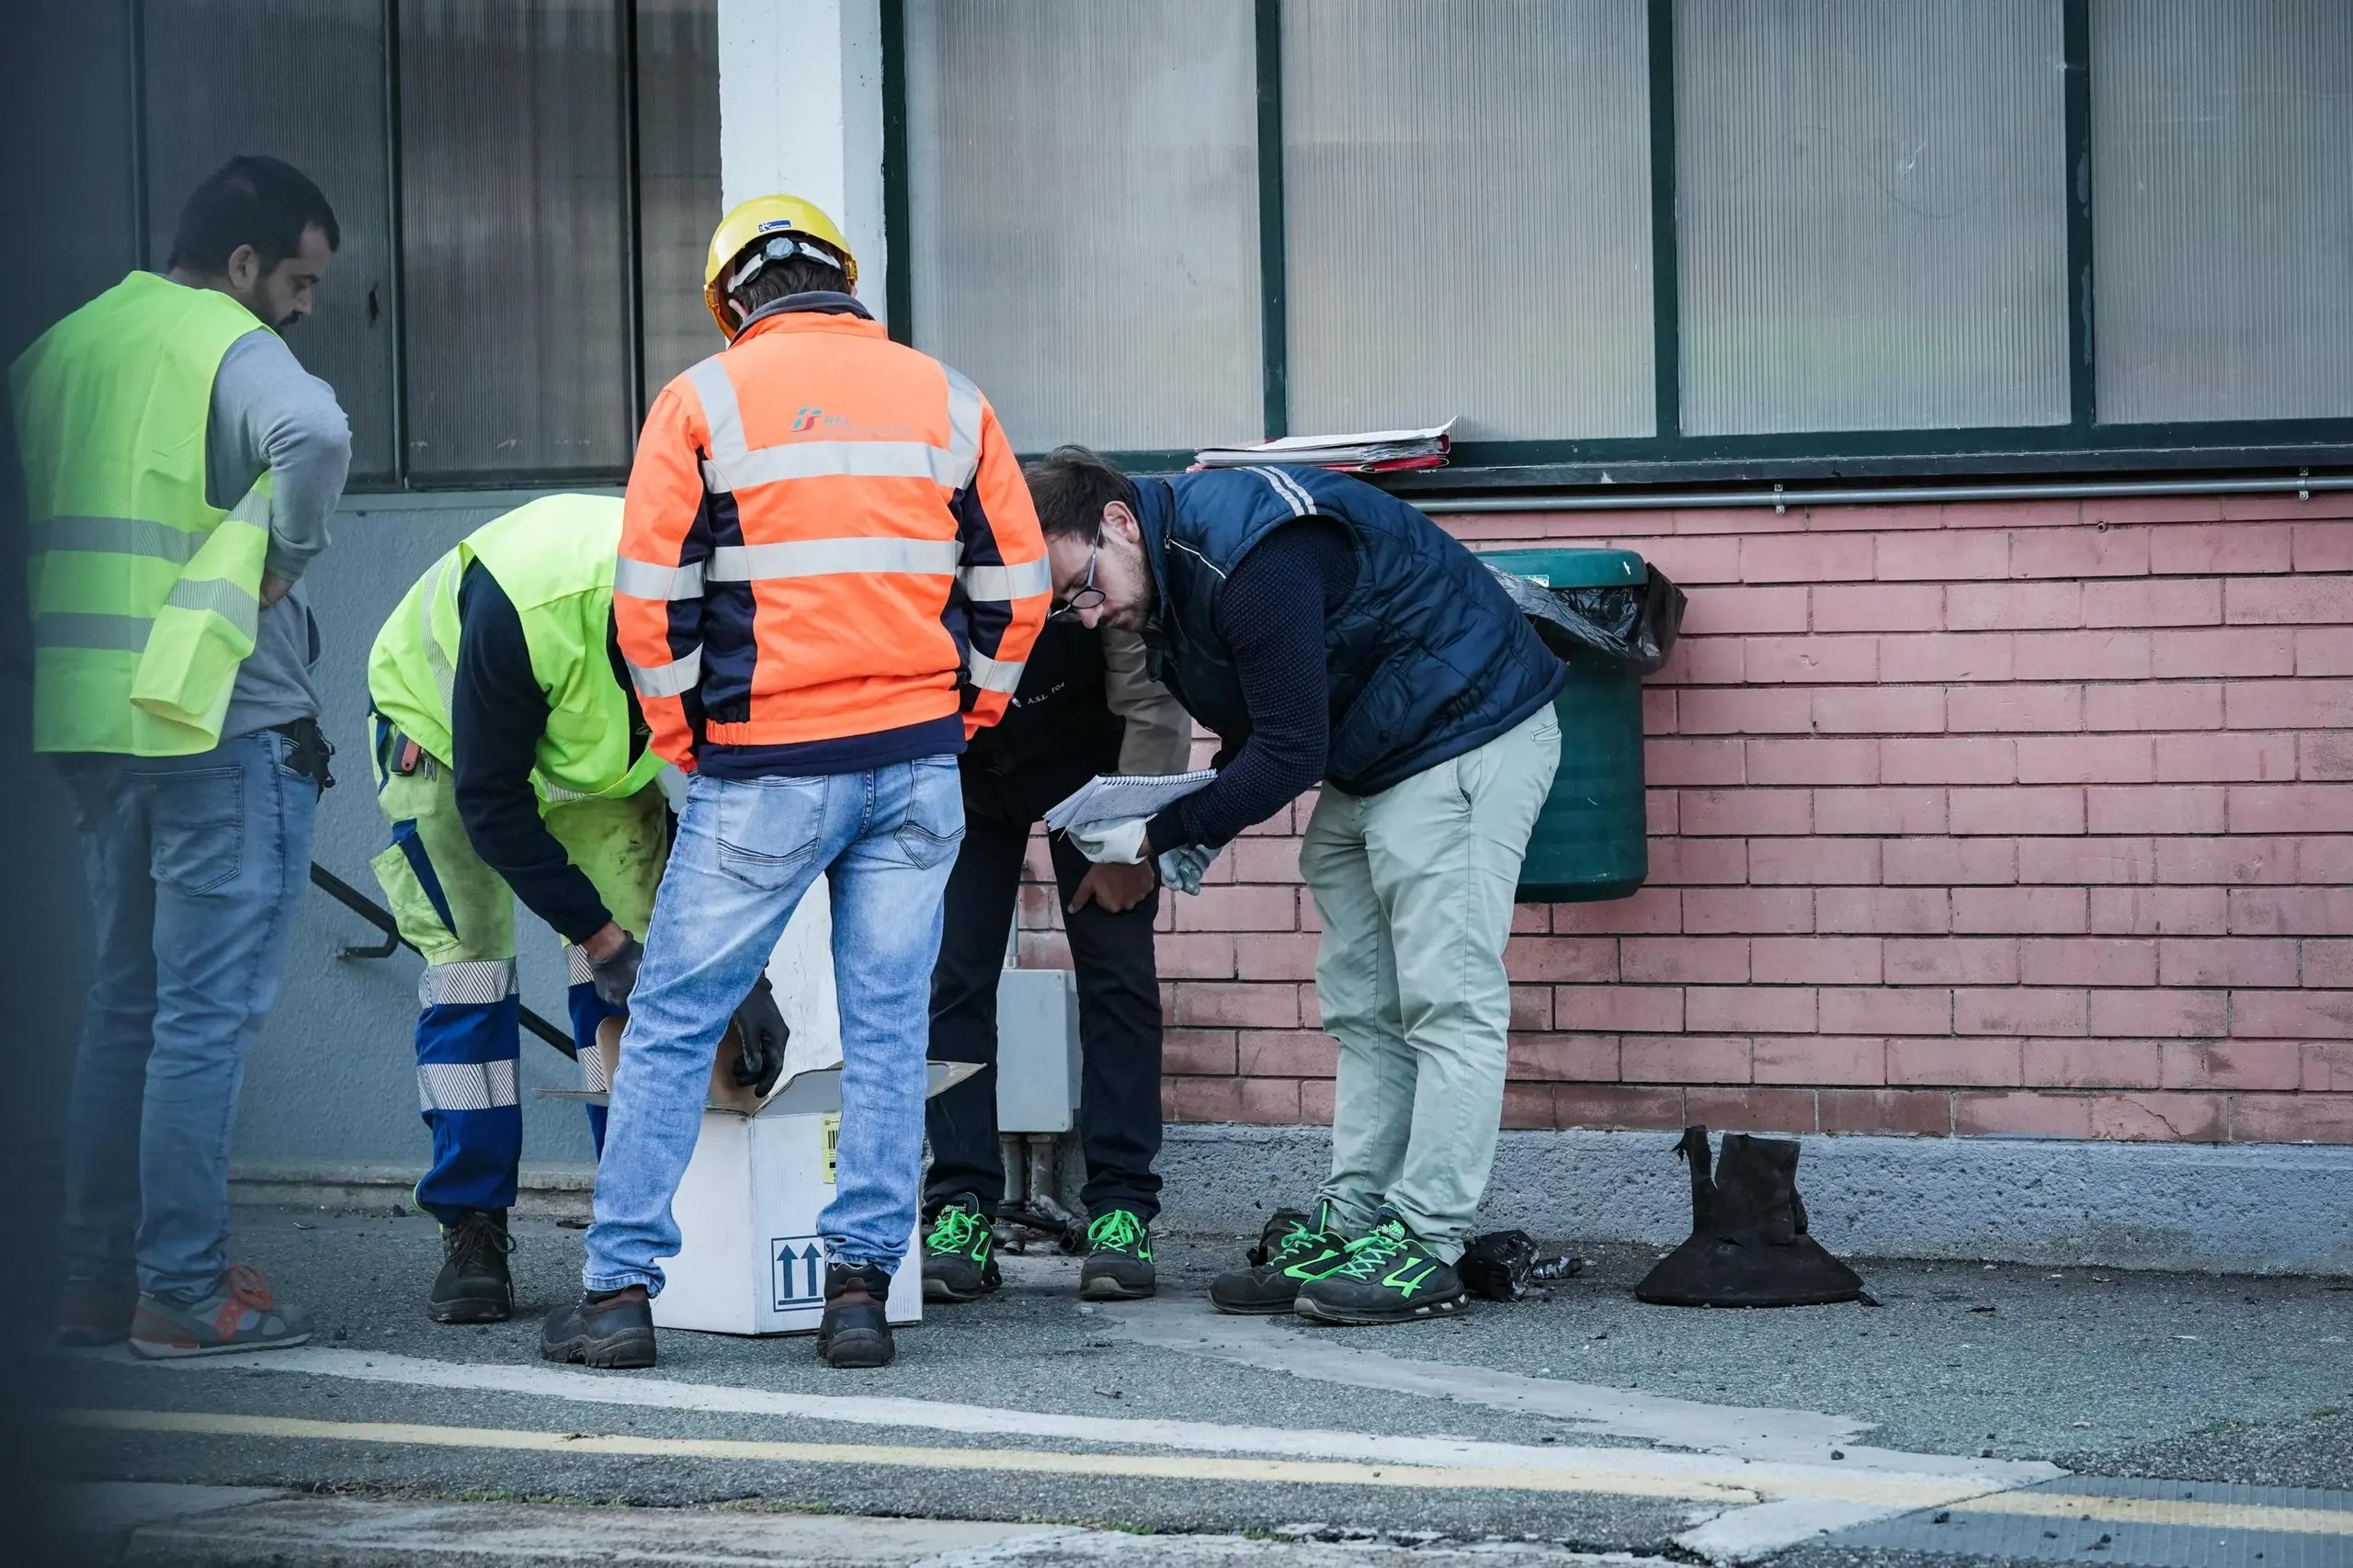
[1426, 656]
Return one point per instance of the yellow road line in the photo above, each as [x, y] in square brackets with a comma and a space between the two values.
[1727, 1489]
[1176, 1467]
[2165, 1511]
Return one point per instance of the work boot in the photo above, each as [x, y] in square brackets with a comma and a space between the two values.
[238, 1314]
[960, 1254]
[1118, 1259]
[473, 1285]
[855, 1329]
[94, 1311]
[603, 1328]
[1388, 1277]
[1748, 1246]
[1292, 1249]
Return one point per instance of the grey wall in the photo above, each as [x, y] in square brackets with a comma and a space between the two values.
[333, 1079]
[67, 209]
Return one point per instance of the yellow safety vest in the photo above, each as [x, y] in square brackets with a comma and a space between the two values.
[145, 595]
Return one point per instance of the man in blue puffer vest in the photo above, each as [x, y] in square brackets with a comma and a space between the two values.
[1328, 632]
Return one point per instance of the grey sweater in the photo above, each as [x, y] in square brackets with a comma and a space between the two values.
[268, 414]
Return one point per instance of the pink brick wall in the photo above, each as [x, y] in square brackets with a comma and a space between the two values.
[2026, 819]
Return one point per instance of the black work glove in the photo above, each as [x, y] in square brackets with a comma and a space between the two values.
[765, 1034]
[616, 977]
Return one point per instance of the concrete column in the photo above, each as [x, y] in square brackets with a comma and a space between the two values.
[801, 113]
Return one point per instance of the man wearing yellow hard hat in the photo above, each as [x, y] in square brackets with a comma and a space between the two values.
[830, 576]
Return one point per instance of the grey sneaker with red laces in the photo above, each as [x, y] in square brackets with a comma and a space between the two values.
[239, 1313]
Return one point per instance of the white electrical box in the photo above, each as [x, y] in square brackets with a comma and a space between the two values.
[1036, 1051]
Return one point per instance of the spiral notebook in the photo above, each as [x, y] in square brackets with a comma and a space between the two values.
[1116, 797]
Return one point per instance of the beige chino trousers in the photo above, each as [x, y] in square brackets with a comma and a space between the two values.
[1414, 885]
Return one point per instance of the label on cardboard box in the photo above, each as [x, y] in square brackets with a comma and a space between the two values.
[796, 1267]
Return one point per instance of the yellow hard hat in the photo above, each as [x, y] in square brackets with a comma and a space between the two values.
[754, 225]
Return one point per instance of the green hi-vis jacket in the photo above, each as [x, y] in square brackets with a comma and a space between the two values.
[553, 558]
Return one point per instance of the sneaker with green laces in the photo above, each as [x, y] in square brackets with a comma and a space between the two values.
[1293, 1249]
[1118, 1259]
[1387, 1277]
[960, 1254]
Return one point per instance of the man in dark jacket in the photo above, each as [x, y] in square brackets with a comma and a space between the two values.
[1085, 707]
[1327, 631]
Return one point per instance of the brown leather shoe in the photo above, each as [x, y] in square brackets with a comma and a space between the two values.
[855, 1329]
[611, 1329]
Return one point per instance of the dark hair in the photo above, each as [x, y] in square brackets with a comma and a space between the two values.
[250, 200]
[800, 275]
[1070, 486]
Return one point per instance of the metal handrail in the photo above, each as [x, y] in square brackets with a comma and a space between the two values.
[376, 915]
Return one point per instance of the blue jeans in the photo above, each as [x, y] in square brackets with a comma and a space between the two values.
[746, 851]
[195, 864]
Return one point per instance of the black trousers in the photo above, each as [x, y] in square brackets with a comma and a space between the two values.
[1119, 1026]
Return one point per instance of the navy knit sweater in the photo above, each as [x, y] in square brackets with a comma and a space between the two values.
[1271, 615]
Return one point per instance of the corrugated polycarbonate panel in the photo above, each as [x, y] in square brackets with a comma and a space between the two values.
[300, 80]
[1467, 196]
[1083, 191]
[677, 171]
[514, 198]
[1872, 214]
[2222, 209]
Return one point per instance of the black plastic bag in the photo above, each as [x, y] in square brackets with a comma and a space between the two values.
[1631, 625]
[1503, 1266]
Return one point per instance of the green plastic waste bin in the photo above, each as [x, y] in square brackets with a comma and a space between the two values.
[1589, 842]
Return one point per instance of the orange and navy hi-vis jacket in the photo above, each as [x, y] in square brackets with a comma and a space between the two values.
[829, 561]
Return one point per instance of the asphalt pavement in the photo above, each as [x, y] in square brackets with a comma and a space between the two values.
[1577, 1422]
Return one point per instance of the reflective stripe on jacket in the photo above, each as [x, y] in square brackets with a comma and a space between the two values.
[827, 536]
[554, 559]
[144, 595]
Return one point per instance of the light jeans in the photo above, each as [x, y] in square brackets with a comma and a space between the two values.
[194, 864]
[1415, 886]
[747, 850]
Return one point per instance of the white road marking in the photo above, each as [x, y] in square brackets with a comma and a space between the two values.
[1634, 1472]
[1761, 1432]
[1741, 1535]
[1757, 1433]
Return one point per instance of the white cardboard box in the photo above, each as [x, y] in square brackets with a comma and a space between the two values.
[751, 1259]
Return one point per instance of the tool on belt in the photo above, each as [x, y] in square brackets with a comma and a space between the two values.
[310, 752]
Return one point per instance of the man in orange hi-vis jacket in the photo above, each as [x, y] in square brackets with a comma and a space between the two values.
[830, 575]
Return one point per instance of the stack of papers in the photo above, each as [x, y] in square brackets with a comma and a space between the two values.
[1110, 797]
[1372, 451]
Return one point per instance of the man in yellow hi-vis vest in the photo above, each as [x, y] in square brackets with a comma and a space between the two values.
[179, 470]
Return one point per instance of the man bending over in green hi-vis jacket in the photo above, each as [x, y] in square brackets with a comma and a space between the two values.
[511, 761]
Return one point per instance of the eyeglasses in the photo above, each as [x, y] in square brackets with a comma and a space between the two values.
[1087, 595]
